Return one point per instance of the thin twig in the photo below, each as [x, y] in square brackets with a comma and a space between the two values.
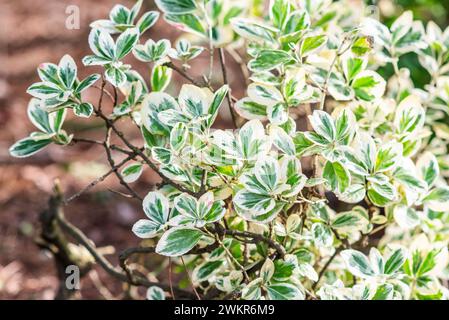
[181, 72]
[254, 236]
[141, 154]
[170, 279]
[226, 82]
[190, 278]
[106, 265]
[328, 262]
[99, 179]
[111, 161]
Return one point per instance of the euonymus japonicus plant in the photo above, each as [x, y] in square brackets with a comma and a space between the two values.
[330, 184]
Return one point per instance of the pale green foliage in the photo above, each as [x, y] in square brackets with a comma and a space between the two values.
[359, 198]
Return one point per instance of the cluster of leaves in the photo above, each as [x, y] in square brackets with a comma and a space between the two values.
[354, 207]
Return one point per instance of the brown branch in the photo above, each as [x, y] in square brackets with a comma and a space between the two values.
[234, 116]
[99, 179]
[190, 278]
[141, 154]
[132, 279]
[254, 236]
[100, 143]
[171, 65]
[111, 161]
[326, 265]
[53, 239]
[184, 74]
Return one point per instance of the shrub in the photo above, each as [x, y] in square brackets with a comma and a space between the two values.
[353, 207]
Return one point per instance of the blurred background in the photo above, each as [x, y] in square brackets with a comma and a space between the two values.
[35, 32]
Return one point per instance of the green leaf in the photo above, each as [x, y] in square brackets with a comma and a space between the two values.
[264, 94]
[260, 203]
[178, 136]
[357, 263]
[147, 20]
[161, 155]
[323, 124]
[197, 212]
[219, 96]
[388, 156]
[312, 44]
[253, 30]
[204, 271]
[27, 147]
[178, 241]
[176, 6]
[353, 194]
[84, 109]
[102, 45]
[146, 229]
[160, 78]
[87, 82]
[187, 22]
[40, 118]
[195, 101]
[282, 140]
[48, 72]
[120, 14]
[279, 11]
[126, 42]
[153, 105]
[438, 198]
[410, 115]
[67, 71]
[277, 114]
[152, 51]
[368, 85]
[266, 171]
[428, 168]
[439, 194]
[156, 207]
[352, 67]
[381, 193]
[250, 110]
[93, 60]
[346, 220]
[44, 90]
[284, 268]
[429, 262]
[395, 261]
[252, 291]
[322, 235]
[408, 178]
[269, 59]
[365, 156]
[115, 76]
[337, 176]
[362, 45]
[155, 293]
[384, 292]
[132, 172]
[345, 124]
[284, 291]
[252, 140]
[302, 144]
[405, 217]
[267, 270]
[297, 21]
